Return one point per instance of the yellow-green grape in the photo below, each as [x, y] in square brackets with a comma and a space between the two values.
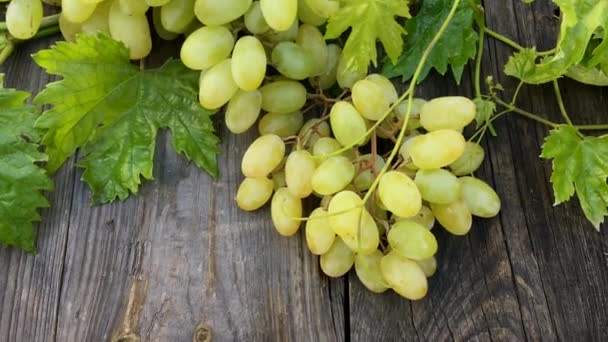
[282, 36]
[479, 197]
[405, 149]
[176, 15]
[347, 78]
[206, 47]
[438, 186]
[76, 11]
[323, 8]
[390, 93]
[412, 240]
[319, 236]
[308, 16]
[428, 266]
[401, 109]
[437, 149]
[135, 7]
[217, 86]
[68, 29]
[347, 124]
[283, 125]
[263, 156]
[369, 99]
[349, 220]
[158, 26]
[313, 130]
[328, 77]
[450, 112]
[333, 175]
[325, 146]
[283, 96]
[243, 110]
[299, 169]
[98, 21]
[292, 60]
[424, 217]
[338, 260]
[279, 14]
[254, 19]
[454, 217]
[156, 3]
[399, 194]
[132, 30]
[469, 161]
[404, 276]
[285, 209]
[364, 179]
[23, 18]
[248, 63]
[368, 271]
[215, 13]
[278, 179]
[253, 193]
[311, 40]
[368, 231]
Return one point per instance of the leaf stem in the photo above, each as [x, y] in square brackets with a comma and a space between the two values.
[502, 38]
[560, 103]
[477, 76]
[526, 114]
[7, 51]
[514, 98]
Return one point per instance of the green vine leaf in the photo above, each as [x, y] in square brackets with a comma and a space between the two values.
[485, 112]
[113, 111]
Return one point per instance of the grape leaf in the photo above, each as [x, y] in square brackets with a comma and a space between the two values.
[22, 181]
[580, 165]
[580, 22]
[113, 111]
[456, 46]
[369, 21]
[485, 112]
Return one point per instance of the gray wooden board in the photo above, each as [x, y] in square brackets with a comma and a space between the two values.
[180, 259]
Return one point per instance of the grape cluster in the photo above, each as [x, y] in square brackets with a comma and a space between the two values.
[261, 58]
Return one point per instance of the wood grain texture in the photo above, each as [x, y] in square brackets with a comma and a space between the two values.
[180, 256]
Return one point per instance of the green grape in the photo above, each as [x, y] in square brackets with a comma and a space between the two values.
[390, 93]
[248, 63]
[368, 271]
[323, 8]
[278, 179]
[450, 112]
[367, 229]
[243, 110]
[215, 13]
[285, 208]
[23, 18]
[263, 156]
[176, 15]
[299, 169]
[438, 186]
[156, 3]
[405, 149]
[345, 210]
[479, 197]
[401, 110]
[98, 21]
[253, 193]
[311, 40]
[325, 146]
[404, 276]
[254, 19]
[282, 36]
[455, 217]
[283, 125]
[469, 161]
[338, 260]
[437, 149]
[399, 194]
[292, 60]
[347, 78]
[369, 99]
[328, 78]
[428, 266]
[364, 179]
[319, 236]
[308, 16]
[134, 7]
[333, 175]
[280, 14]
[283, 96]
[217, 86]
[132, 30]
[68, 29]
[412, 240]
[74, 11]
[312, 131]
[158, 26]
[347, 124]
[424, 217]
[206, 47]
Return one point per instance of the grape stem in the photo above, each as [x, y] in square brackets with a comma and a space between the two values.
[560, 103]
[51, 20]
[7, 51]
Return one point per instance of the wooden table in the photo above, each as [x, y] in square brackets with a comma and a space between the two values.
[181, 253]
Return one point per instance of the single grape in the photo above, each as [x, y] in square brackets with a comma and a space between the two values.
[158, 26]
[469, 161]
[369, 272]
[176, 15]
[299, 170]
[283, 96]
[364, 237]
[74, 11]
[437, 149]
[98, 21]
[338, 260]
[347, 124]
[399, 194]
[438, 186]
[369, 99]
[479, 197]
[215, 13]
[366, 171]
[206, 47]
[248, 63]
[424, 217]
[253, 193]
[428, 266]
[349, 220]
[285, 208]
[412, 240]
[333, 175]
[454, 217]
[311, 40]
[319, 236]
[325, 146]
[307, 16]
[290, 34]
[278, 179]
[283, 125]
[405, 149]
[254, 19]
[312, 131]
[68, 29]
[292, 60]
[401, 109]
[243, 110]
[323, 8]
[280, 14]
[347, 78]
[217, 86]
[328, 77]
[263, 156]
[136, 7]
[450, 112]
[404, 276]
[132, 30]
